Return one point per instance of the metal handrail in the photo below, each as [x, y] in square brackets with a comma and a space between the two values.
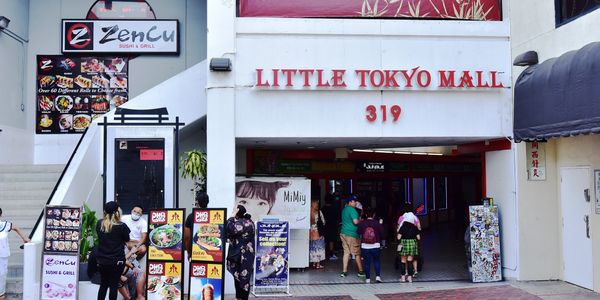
[37, 223]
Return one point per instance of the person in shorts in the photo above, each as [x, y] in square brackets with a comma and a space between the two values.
[5, 228]
[350, 237]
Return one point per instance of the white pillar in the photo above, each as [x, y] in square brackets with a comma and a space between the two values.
[220, 122]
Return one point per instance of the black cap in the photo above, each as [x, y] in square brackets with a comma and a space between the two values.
[111, 207]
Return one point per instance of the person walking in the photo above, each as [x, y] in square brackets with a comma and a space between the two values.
[350, 237]
[5, 228]
[240, 232]
[408, 236]
[113, 236]
[371, 232]
[317, 241]
[331, 212]
[410, 217]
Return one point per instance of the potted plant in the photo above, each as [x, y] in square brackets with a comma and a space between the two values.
[87, 240]
[193, 166]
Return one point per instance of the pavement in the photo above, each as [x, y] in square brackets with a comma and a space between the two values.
[552, 290]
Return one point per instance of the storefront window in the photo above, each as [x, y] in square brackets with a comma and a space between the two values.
[568, 10]
[419, 196]
[122, 9]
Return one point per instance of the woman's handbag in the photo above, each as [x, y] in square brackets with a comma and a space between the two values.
[399, 249]
[234, 254]
[320, 225]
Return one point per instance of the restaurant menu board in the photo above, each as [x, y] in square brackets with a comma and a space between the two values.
[206, 281]
[61, 231]
[165, 231]
[59, 276]
[208, 242]
[72, 91]
[164, 281]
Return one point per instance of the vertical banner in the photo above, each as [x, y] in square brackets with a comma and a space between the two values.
[165, 254]
[165, 231]
[207, 278]
[165, 281]
[536, 161]
[59, 276]
[271, 266]
[206, 281]
[208, 236]
[60, 259]
[485, 243]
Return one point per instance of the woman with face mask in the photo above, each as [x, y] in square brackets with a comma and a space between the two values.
[139, 230]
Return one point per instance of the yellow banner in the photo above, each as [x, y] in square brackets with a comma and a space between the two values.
[174, 217]
[159, 254]
[214, 271]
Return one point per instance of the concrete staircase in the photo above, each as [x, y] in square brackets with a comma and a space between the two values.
[24, 190]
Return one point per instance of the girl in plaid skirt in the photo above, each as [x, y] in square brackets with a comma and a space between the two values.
[408, 235]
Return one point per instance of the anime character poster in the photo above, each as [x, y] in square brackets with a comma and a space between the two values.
[285, 197]
[271, 266]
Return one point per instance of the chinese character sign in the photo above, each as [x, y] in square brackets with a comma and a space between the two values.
[208, 236]
[536, 161]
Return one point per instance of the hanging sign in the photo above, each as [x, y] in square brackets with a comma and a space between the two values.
[165, 232]
[208, 235]
[271, 264]
[206, 281]
[165, 280]
[536, 161]
[120, 36]
[59, 276]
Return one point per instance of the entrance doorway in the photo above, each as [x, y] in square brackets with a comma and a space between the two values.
[577, 245]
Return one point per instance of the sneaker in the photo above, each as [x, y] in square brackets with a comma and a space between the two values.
[361, 274]
[409, 278]
[415, 275]
[343, 274]
[378, 279]
[403, 278]
[333, 257]
[368, 280]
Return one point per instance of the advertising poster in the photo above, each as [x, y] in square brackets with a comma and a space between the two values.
[59, 276]
[485, 243]
[72, 91]
[165, 232]
[164, 281]
[482, 10]
[285, 196]
[206, 281]
[271, 267]
[61, 230]
[208, 235]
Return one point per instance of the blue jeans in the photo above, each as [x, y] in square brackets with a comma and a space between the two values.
[367, 254]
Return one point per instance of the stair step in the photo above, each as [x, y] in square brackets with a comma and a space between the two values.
[29, 177]
[26, 185]
[24, 195]
[31, 168]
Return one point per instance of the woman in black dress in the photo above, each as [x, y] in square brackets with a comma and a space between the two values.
[113, 237]
[240, 233]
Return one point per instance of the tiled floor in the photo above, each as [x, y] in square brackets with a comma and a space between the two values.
[494, 292]
[443, 253]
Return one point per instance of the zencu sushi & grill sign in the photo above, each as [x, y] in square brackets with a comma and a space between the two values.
[120, 36]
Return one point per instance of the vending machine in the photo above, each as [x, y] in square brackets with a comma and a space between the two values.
[485, 243]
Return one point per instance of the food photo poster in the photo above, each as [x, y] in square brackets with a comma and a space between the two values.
[208, 235]
[73, 90]
[164, 281]
[165, 232]
[206, 281]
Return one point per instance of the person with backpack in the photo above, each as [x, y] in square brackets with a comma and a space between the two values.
[371, 231]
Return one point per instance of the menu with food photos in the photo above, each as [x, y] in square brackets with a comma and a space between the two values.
[165, 280]
[206, 281]
[165, 232]
[74, 90]
[208, 235]
[61, 229]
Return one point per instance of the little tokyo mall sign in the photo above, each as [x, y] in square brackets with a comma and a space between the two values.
[415, 78]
